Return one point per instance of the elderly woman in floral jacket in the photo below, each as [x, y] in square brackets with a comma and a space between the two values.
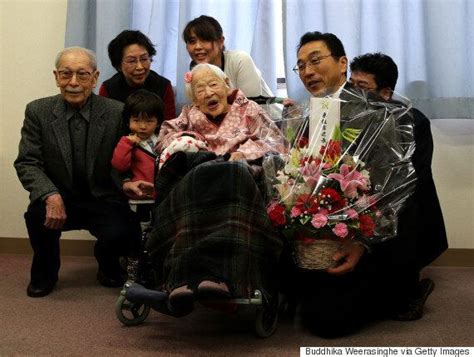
[212, 237]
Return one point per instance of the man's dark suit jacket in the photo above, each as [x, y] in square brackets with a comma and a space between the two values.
[431, 233]
[421, 235]
[44, 162]
[381, 143]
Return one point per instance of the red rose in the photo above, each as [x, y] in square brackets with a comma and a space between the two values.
[276, 212]
[307, 203]
[366, 225]
[330, 199]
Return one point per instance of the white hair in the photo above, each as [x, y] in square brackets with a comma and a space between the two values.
[218, 72]
[89, 53]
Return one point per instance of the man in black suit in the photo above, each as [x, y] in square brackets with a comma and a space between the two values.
[422, 235]
[64, 158]
[338, 300]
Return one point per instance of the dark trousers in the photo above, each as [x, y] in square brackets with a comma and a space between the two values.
[334, 305]
[113, 224]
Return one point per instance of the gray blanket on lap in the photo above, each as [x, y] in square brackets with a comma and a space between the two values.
[211, 223]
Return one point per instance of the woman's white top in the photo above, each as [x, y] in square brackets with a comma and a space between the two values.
[243, 74]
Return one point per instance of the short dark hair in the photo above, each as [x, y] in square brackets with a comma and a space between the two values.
[204, 27]
[143, 102]
[332, 42]
[380, 65]
[127, 38]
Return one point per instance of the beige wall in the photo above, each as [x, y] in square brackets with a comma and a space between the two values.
[453, 170]
[32, 32]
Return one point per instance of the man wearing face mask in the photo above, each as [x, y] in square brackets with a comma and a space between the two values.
[66, 146]
[422, 235]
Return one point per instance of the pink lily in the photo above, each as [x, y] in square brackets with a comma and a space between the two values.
[311, 173]
[350, 181]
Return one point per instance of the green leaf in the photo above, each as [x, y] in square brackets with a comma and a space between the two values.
[290, 134]
[350, 134]
[305, 219]
[336, 135]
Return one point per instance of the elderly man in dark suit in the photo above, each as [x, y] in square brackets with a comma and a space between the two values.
[64, 158]
[340, 299]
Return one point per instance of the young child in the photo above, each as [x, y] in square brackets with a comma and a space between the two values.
[135, 153]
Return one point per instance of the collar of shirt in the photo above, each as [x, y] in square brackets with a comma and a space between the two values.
[337, 93]
[85, 111]
[150, 143]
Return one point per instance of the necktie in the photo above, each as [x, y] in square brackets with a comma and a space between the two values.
[78, 130]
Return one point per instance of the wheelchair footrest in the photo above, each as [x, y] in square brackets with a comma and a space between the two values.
[157, 300]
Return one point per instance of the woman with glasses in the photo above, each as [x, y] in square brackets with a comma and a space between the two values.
[131, 54]
[205, 44]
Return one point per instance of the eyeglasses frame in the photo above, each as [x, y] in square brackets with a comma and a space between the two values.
[316, 61]
[142, 59]
[75, 73]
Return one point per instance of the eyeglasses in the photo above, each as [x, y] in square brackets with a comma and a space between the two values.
[81, 76]
[133, 61]
[313, 62]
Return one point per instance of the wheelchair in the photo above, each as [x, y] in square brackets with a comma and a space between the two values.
[139, 294]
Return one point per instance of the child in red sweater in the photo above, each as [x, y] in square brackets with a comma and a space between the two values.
[135, 153]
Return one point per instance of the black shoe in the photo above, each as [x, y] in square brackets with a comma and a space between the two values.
[414, 311]
[110, 281]
[39, 289]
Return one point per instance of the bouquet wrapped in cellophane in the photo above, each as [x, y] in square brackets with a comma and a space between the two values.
[346, 177]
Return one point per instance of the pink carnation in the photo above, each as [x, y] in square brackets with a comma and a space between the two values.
[188, 77]
[296, 211]
[319, 220]
[340, 230]
[352, 213]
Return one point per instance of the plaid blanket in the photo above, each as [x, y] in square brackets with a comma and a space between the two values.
[211, 224]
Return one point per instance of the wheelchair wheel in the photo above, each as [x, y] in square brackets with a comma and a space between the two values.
[266, 319]
[129, 313]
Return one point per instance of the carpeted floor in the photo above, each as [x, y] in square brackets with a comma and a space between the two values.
[78, 319]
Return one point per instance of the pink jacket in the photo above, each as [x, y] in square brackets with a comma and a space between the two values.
[245, 128]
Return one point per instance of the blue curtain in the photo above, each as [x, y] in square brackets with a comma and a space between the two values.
[430, 40]
[248, 25]
[93, 24]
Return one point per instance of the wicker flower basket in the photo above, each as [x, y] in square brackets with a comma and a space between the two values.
[317, 254]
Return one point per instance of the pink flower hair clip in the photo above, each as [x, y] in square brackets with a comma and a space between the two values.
[188, 77]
